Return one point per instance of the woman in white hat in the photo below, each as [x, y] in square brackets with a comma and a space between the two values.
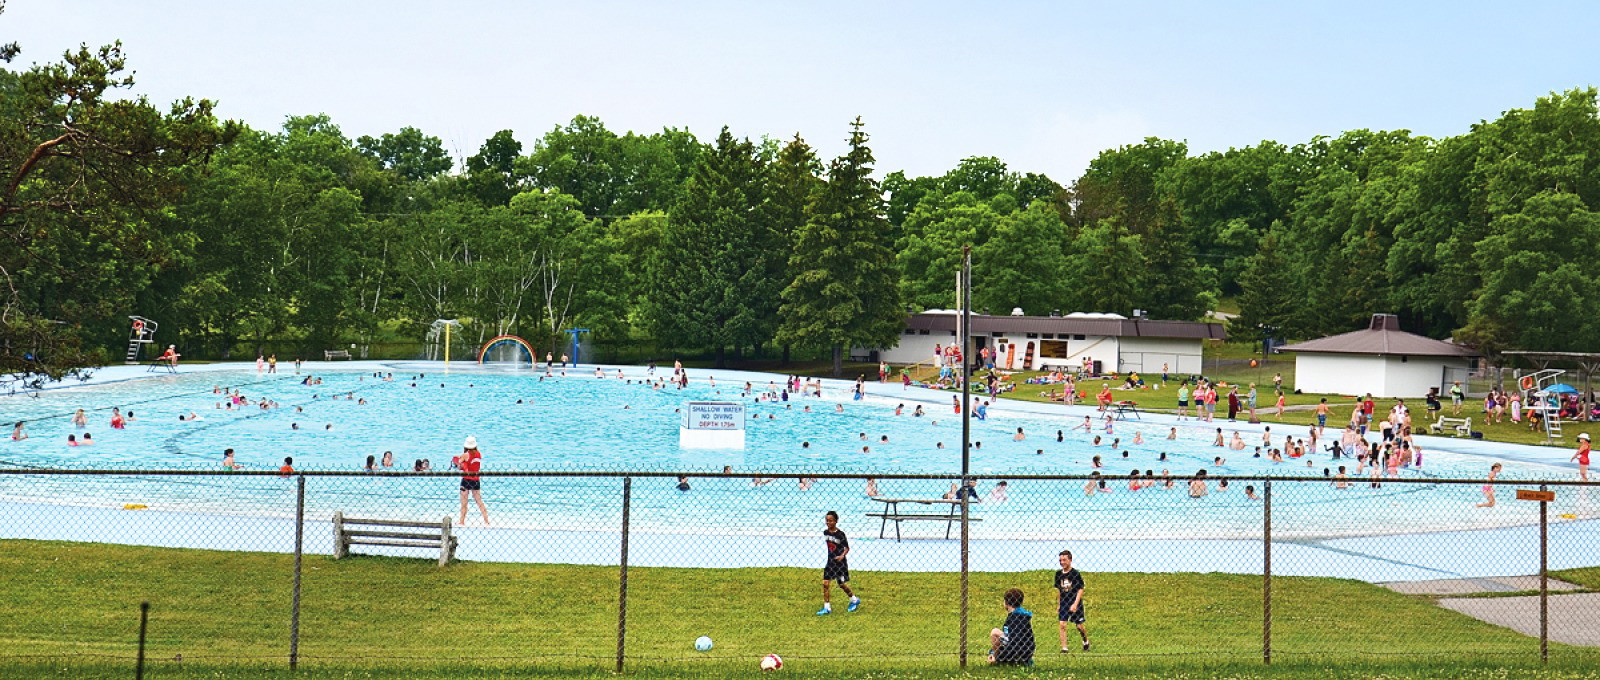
[469, 462]
[1582, 456]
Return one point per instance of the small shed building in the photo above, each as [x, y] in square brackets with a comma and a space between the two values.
[1380, 359]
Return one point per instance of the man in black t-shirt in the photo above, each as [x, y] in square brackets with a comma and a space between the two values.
[1012, 643]
[1069, 592]
[836, 569]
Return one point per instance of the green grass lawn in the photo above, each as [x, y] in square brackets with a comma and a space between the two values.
[71, 610]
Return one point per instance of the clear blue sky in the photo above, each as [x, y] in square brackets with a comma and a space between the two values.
[1044, 86]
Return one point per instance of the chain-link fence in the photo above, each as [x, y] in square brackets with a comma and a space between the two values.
[592, 571]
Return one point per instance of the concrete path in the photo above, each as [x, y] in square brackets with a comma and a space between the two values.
[1470, 586]
[1574, 618]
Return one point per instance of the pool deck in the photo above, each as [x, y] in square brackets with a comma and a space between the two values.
[1469, 554]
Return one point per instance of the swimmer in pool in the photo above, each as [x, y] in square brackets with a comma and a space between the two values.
[1096, 440]
[1138, 437]
[1085, 426]
[916, 412]
[1173, 434]
[1018, 436]
[1237, 443]
[1218, 440]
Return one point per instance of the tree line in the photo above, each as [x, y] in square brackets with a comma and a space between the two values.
[233, 236]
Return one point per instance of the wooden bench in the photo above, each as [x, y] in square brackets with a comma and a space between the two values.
[1123, 409]
[891, 513]
[1461, 426]
[331, 354]
[436, 537]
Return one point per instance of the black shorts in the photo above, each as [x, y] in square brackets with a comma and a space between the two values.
[1070, 617]
[1183, 403]
[469, 485]
[836, 571]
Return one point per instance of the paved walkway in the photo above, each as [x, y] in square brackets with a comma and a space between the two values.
[1574, 618]
[1470, 586]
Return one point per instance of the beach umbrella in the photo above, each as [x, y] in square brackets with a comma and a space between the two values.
[1561, 388]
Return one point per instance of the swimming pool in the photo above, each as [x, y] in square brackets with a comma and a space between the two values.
[578, 422]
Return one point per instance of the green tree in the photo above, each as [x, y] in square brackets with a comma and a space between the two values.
[1268, 306]
[491, 173]
[89, 173]
[1538, 295]
[845, 288]
[929, 254]
[409, 153]
[1102, 270]
[714, 285]
[1023, 265]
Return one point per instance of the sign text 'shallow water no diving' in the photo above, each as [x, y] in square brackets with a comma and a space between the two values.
[712, 425]
[714, 415]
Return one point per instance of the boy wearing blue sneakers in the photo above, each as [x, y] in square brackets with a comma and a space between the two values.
[837, 569]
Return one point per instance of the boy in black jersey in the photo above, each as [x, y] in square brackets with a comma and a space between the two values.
[1069, 594]
[1012, 643]
[837, 569]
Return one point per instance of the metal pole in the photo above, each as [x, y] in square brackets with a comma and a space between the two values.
[144, 618]
[622, 593]
[1544, 579]
[966, 357]
[1266, 572]
[299, 550]
[965, 500]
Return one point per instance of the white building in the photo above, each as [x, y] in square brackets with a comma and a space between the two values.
[1381, 359]
[1115, 343]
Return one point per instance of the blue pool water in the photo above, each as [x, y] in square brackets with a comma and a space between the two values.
[579, 422]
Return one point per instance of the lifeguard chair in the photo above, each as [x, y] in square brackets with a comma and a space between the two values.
[142, 332]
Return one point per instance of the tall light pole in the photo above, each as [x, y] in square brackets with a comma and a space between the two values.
[965, 292]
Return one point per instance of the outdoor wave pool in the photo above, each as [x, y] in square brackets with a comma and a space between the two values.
[576, 422]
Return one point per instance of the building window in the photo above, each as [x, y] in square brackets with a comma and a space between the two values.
[1033, 335]
[998, 335]
[1049, 336]
[1052, 349]
[923, 332]
[1078, 337]
[911, 331]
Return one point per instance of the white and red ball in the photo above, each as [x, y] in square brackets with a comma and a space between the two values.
[771, 662]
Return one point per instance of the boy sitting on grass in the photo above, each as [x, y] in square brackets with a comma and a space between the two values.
[1012, 643]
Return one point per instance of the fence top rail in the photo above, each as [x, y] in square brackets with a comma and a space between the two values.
[703, 474]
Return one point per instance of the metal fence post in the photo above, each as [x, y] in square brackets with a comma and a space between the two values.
[299, 550]
[964, 555]
[622, 594]
[144, 621]
[1266, 572]
[1544, 579]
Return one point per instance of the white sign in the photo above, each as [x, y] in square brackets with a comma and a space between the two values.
[714, 415]
[712, 425]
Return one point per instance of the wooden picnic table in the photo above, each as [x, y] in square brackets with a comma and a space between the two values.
[891, 512]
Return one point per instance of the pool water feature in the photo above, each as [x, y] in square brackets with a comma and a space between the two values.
[579, 422]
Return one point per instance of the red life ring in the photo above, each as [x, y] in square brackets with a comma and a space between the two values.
[138, 326]
[1527, 382]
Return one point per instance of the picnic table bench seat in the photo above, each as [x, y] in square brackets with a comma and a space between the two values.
[349, 531]
[892, 513]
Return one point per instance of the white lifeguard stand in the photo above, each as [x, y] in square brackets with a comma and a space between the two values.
[141, 332]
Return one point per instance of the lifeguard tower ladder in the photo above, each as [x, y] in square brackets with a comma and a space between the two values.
[1539, 381]
[142, 332]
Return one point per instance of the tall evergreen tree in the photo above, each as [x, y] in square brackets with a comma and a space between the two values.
[1268, 306]
[796, 179]
[845, 288]
[713, 284]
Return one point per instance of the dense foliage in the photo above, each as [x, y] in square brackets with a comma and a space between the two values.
[235, 237]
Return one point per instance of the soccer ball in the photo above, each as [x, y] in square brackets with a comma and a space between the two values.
[702, 644]
[771, 662]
